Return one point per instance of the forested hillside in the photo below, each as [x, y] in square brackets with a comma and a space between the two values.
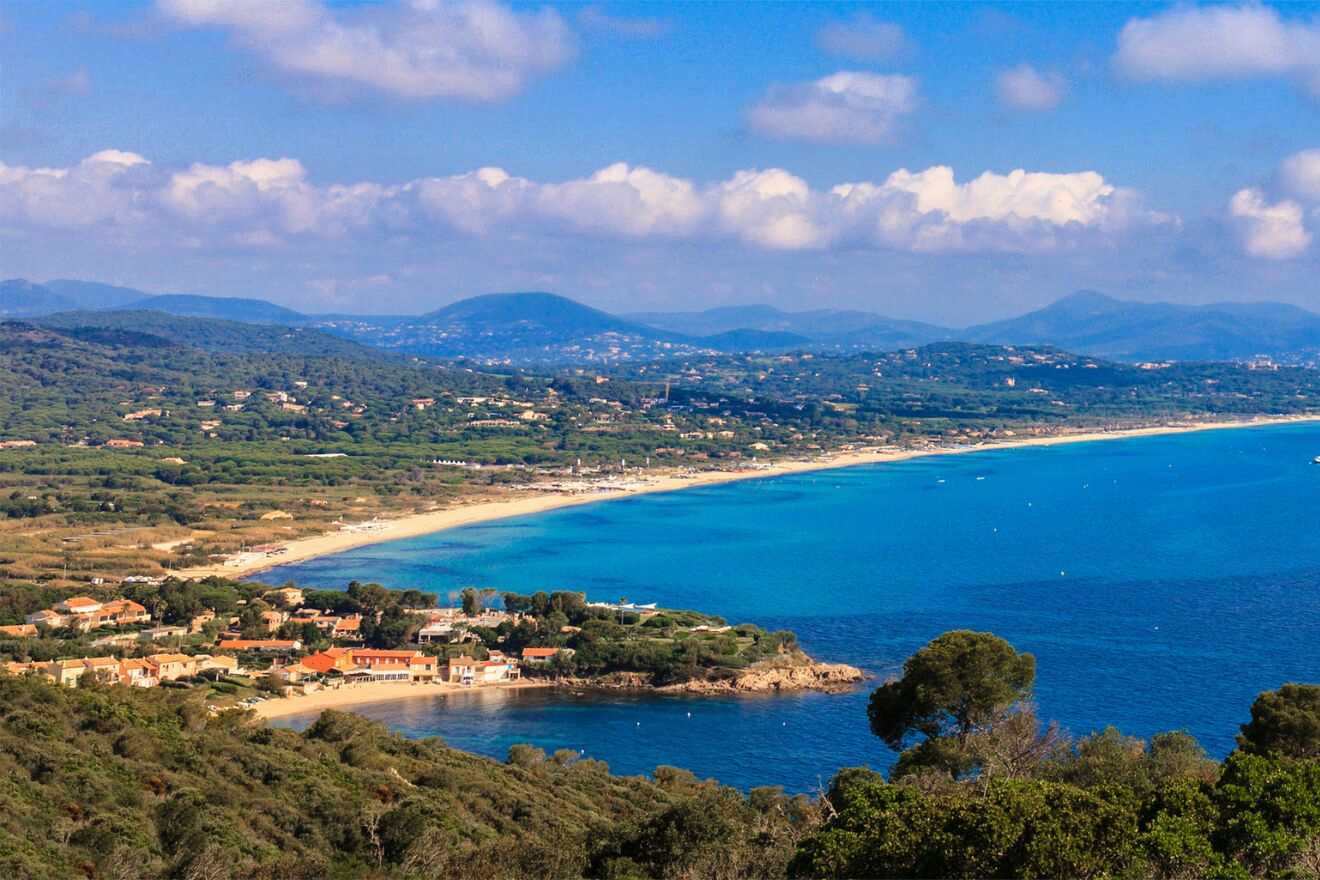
[119, 782]
[124, 783]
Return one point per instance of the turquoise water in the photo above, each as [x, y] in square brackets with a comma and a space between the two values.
[1161, 582]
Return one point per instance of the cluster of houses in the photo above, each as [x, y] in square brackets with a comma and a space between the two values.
[135, 671]
[448, 624]
[280, 658]
[332, 667]
[82, 613]
[358, 665]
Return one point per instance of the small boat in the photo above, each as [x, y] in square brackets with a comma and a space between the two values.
[1316, 460]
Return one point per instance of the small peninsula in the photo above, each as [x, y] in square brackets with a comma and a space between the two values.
[287, 650]
[634, 647]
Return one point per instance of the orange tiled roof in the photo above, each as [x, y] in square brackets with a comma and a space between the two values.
[322, 662]
[122, 606]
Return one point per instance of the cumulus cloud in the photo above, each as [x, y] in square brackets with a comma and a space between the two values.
[99, 190]
[863, 38]
[267, 203]
[846, 107]
[475, 50]
[1273, 231]
[1190, 44]
[1026, 88]
[1272, 221]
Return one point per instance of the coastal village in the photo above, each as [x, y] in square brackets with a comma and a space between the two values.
[279, 666]
[249, 645]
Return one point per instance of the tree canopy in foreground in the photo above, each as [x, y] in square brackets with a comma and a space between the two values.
[124, 783]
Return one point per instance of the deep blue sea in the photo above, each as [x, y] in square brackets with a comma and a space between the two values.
[1161, 582]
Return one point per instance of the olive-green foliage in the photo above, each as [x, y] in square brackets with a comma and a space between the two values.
[122, 782]
[1017, 828]
[1112, 808]
[670, 646]
[988, 793]
[1286, 722]
[117, 782]
[714, 833]
[956, 686]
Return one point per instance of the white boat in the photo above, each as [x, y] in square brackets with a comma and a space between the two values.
[1316, 460]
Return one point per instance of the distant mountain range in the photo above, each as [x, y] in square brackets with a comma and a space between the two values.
[95, 295]
[820, 327]
[542, 327]
[1092, 323]
[214, 335]
[539, 327]
[20, 298]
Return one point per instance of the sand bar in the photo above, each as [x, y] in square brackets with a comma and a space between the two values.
[533, 501]
[350, 695]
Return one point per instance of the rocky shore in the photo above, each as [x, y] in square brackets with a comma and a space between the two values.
[768, 678]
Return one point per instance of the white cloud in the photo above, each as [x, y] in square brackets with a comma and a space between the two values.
[1271, 231]
[98, 191]
[846, 107]
[1026, 88]
[1299, 174]
[475, 50]
[863, 38]
[1190, 43]
[771, 209]
[271, 203]
[117, 157]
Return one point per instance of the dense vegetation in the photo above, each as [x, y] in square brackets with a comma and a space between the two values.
[982, 790]
[119, 783]
[669, 646]
[948, 390]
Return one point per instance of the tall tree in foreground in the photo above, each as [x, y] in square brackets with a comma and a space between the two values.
[1284, 722]
[957, 687]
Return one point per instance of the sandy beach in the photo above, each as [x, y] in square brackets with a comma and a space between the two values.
[347, 696]
[534, 501]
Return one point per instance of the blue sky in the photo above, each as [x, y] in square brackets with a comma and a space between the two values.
[806, 155]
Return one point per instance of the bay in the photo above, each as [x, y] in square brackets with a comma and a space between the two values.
[1161, 582]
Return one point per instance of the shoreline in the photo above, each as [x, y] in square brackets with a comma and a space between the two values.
[348, 696]
[431, 522]
[816, 676]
